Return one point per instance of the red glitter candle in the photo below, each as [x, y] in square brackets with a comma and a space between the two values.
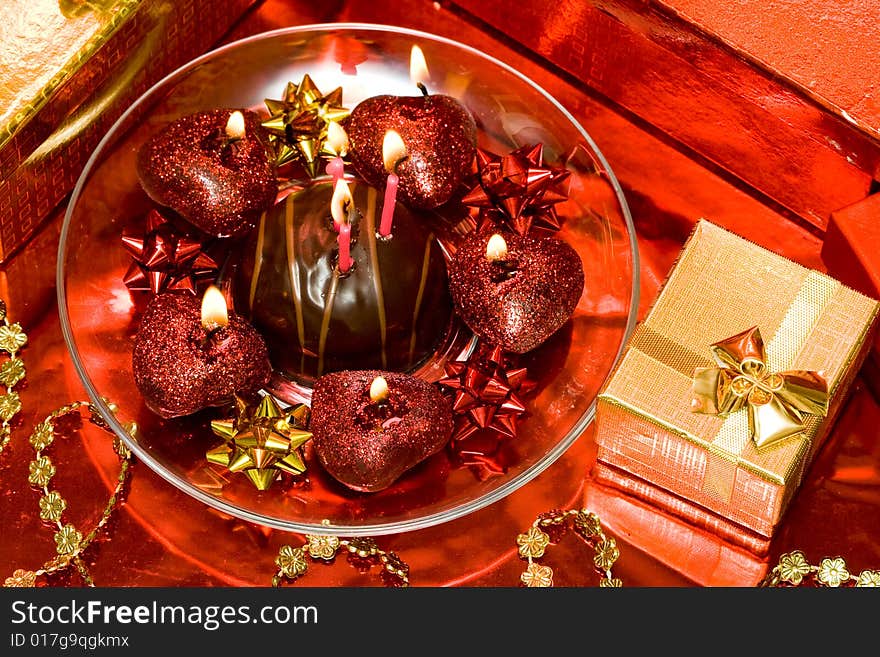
[440, 136]
[190, 354]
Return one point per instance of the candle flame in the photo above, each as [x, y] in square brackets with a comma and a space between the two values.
[418, 67]
[235, 125]
[379, 390]
[214, 311]
[496, 249]
[340, 201]
[393, 150]
[337, 139]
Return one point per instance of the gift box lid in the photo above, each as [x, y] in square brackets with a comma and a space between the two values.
[68, 71]
[44, 43]
[722, 286]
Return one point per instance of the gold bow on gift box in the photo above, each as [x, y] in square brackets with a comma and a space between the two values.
[776, 401]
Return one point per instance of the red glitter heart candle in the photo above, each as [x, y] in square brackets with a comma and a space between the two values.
[190, 354]
[369, 426]
[515, 291]
[214, 168]
[440, 136]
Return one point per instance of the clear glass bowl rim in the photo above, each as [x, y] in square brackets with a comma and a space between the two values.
[284, 524]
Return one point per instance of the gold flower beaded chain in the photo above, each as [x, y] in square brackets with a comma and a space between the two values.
[12, 338]
[292, 562]
[587, 526]
[69, 541]
[793, 569]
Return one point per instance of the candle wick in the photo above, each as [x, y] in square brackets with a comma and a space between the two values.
[210, 334]
[350, 212]
[220, 279]
[399, 161]
[503, 270]
[423, 89]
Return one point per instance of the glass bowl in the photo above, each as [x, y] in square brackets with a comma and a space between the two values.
[100, 315]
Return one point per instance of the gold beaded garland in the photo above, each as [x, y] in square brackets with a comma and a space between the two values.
[534, 542]
[69, 541]
[793, 569]
[12, 339]
[292, 562]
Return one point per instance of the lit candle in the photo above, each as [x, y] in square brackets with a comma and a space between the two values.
[440, 135]
[393, 153]
[215, 314]
[496, 249]
[338, 202]
[418, 69]
[337, 143]
[379, 390]
[343, 212]
[235, 126]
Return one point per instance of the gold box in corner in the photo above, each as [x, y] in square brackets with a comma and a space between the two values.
[68, 70]
[730, 385]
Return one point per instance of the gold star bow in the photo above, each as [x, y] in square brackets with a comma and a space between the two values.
[776, 401]
[262, 441]
[298, 123]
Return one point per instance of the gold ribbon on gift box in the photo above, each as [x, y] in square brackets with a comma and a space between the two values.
[776, 401]
[720, 285]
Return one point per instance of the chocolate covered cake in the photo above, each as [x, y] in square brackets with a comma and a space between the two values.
[335, 293]
[391, 311]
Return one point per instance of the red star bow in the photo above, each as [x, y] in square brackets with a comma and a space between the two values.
[484, 389]
[519, 189]
[165, 258]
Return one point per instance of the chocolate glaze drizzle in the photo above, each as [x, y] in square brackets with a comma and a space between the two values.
[390, 312]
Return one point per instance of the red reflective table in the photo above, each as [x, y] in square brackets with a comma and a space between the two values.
[161, 537]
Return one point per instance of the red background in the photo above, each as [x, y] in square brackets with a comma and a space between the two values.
[161, 537]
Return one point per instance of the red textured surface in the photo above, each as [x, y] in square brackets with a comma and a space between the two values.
[162, 537]
[746, 119]
[849, 252]
[830, 50]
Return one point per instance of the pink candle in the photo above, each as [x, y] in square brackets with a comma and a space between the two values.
[336, 168]
[393, 153]
[344, 242]
[388, 205]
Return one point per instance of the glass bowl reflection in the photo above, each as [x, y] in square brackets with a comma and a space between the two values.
[99, 315]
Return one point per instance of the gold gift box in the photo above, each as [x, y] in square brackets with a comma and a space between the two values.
[68, 70]
[721, 286]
